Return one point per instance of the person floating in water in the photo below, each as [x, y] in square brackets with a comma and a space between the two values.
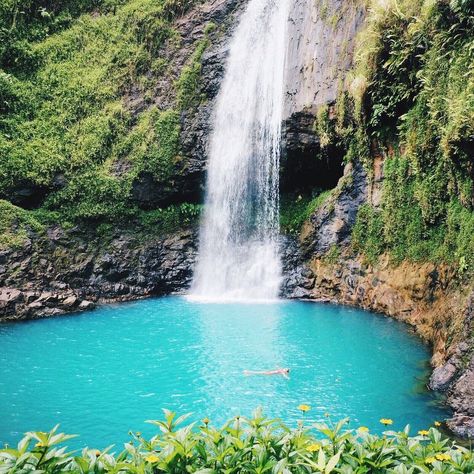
[284, 372]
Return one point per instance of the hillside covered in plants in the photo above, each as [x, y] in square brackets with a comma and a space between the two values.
[105, 114]
[85, 116]
[74, 140]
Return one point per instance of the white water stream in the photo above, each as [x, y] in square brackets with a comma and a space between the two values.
[238, 254]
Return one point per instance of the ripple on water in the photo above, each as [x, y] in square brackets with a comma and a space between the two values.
[101, 374]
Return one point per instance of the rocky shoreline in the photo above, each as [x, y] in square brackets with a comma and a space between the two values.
[320, 264]
[399, 293]
[63, 272]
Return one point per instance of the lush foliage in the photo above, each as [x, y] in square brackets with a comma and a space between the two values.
[256, 445]
[188, 84]
[170, 219]
[295, 210]
[68, 71]
[412, 100]
[15, 223]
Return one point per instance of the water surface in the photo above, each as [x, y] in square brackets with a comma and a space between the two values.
[103, 373]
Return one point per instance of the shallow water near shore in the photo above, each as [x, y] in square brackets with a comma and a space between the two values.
[103, 373]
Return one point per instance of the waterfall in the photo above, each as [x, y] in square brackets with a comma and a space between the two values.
[238, 251]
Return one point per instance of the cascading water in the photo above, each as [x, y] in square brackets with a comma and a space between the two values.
[238, 254]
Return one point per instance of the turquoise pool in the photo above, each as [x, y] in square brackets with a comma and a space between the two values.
[103, 373]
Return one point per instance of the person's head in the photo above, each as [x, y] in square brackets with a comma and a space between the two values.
[287, 371]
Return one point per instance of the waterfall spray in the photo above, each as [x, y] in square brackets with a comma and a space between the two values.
[238, 254]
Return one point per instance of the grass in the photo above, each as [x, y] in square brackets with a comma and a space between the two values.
[15, 224]
[295, 210]
[188, 85]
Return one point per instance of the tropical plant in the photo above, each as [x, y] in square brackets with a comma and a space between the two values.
[248, 445]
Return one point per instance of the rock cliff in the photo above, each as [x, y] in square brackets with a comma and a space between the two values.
[68, 271]
[62, 270]
[320, 52]
[323, 265]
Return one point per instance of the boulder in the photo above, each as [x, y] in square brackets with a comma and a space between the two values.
[442, 377]
[461, 394]
[332, 224]
[84, 305]
[70, 301]
[461, 425]
[10, 295]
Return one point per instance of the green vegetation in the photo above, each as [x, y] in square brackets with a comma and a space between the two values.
[256, 445]
[295, 210]
[170, 219]
[367, 234]
[15, 224]
[332, 255]
[68, 71]
[189, 82]
[412, 99]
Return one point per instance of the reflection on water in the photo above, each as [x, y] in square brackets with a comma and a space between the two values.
[103, 373]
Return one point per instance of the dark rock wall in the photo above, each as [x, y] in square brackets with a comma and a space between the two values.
[320, 52]
[187, 182]
[321, 45]
[72, 270]
[456, 377]
[196, 122]
[332, 224]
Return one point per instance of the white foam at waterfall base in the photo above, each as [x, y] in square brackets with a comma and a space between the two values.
[238, 252]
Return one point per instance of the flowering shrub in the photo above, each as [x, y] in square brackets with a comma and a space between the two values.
[247, 445]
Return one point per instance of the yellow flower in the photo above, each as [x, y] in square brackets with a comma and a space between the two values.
[40, 444]
[304, 408]
[430, 460]
[437, 423]
[442, 457]
[386, 421]
[97, 453]
[152, 458]
[423, 432]
[313, 447]
[206, 421]
[363, 429]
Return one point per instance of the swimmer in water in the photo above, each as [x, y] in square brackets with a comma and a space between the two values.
[284, 372]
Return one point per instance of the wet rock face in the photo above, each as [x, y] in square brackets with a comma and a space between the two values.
[319, 54]
[332, 224]
[298, 278]
[187, 181]
[320, 51]
[70, 271]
